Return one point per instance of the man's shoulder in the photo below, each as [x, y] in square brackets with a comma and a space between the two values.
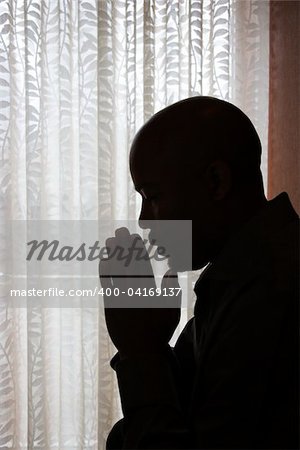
[280, 257]
[274, 247]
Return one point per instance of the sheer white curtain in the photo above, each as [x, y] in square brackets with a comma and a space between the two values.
[78, 78]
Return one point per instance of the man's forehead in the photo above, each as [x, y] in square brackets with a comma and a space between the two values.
[147, 172]
[146, 145]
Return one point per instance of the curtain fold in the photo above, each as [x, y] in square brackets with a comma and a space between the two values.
[78, 78]
[284, 113]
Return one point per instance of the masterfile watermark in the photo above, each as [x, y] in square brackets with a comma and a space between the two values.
[56, 258]
[108, 292]
[55, 251]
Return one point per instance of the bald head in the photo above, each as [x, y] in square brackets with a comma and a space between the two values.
[199, 160]
[195, 131]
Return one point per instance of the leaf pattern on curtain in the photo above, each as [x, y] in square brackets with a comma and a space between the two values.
[78, 78]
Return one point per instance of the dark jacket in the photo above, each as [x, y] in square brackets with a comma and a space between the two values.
[232, 379]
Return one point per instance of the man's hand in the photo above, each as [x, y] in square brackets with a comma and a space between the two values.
[137, 323]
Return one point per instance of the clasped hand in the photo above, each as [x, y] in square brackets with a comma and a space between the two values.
[137, 323]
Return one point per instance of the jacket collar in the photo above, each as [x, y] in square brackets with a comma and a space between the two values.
[243, 252]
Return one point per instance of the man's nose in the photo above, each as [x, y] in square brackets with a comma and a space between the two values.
[146, 216]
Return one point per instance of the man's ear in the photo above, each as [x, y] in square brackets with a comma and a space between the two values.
[219, 179]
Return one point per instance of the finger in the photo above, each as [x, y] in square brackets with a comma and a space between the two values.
[110, 245]
[137, 237]
[123, 239]
[122, 233]
[139, 244]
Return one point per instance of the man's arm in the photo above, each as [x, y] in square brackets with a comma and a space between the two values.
[149, 388]
[247, 376]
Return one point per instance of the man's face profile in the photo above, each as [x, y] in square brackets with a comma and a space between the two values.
[198, 160]
[169, 191]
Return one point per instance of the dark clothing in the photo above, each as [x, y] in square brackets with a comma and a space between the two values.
[232, 379]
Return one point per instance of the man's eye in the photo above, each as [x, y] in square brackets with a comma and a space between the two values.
[149, 197]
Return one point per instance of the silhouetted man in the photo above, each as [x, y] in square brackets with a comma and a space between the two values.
[232, 379]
